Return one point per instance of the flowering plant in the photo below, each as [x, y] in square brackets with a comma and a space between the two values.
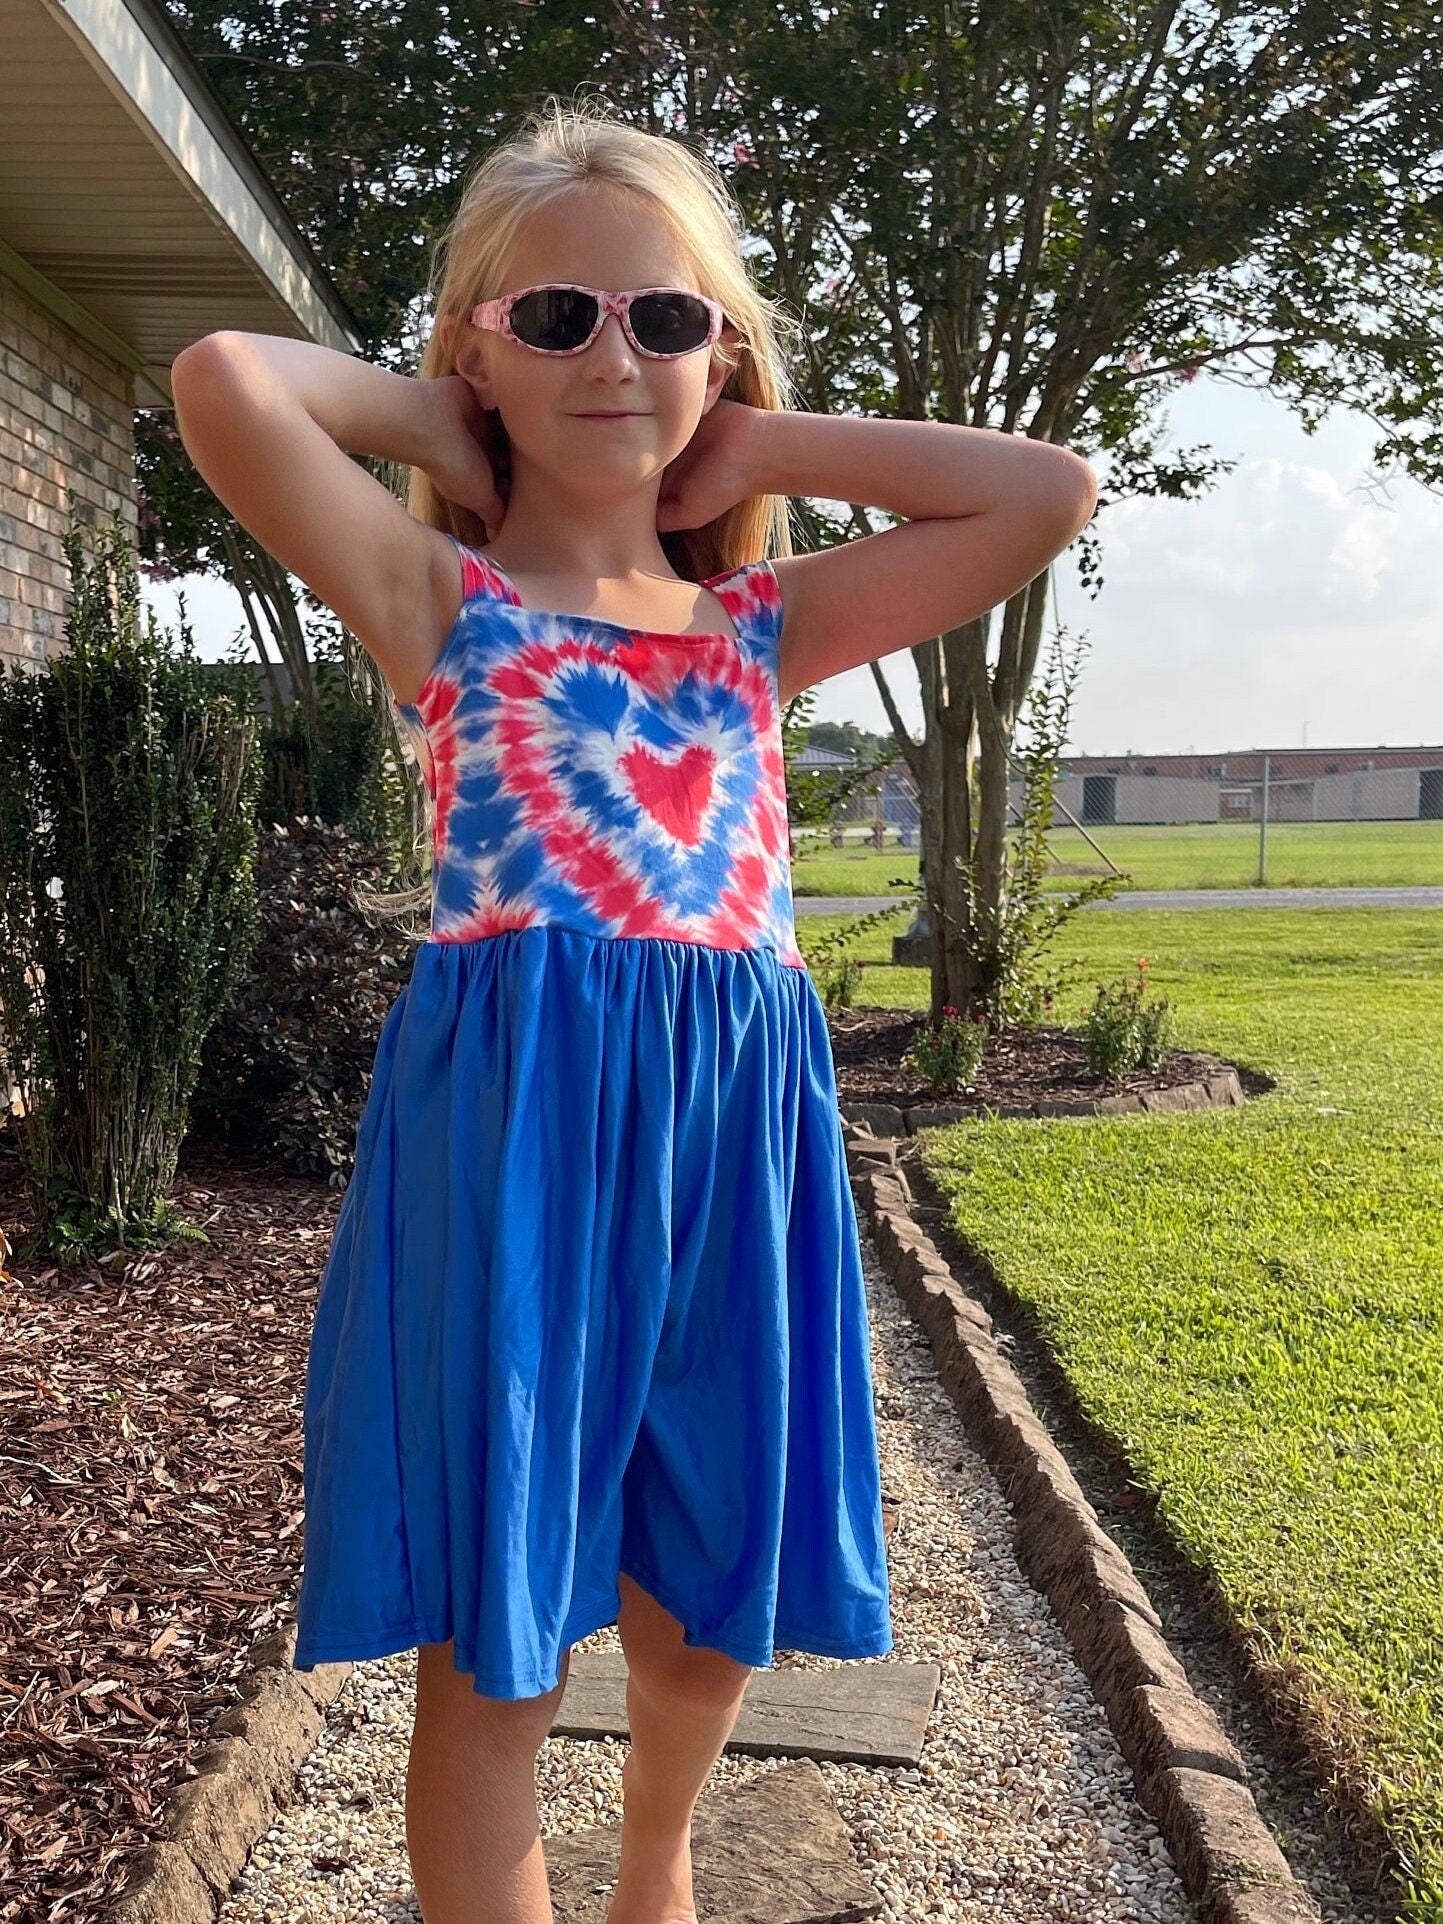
[1123, 1031]
[950, 1055]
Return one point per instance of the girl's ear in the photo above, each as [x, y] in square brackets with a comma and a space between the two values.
[718, 374]
[469, 358]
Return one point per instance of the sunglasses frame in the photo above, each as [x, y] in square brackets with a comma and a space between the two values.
[496, 314]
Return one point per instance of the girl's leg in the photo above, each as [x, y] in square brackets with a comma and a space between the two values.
[681, 1704]
[472, 1827]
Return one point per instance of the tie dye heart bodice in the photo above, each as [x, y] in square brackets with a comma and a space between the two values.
[607, 779]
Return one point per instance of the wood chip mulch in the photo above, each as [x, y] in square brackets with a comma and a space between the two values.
[1018, 1065]
[150, 1513]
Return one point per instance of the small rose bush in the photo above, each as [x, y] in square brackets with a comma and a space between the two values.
[950, 1055]
[838, 978]
[1124, 1031]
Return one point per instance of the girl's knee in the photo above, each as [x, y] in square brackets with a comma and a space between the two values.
[449, 1695]
[690, 1674]
[662, 1664]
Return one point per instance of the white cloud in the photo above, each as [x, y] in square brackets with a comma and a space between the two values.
[1292, 604]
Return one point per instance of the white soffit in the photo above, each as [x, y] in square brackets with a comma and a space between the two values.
[129, 200]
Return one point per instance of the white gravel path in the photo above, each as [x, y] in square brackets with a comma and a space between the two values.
[1021, 1811]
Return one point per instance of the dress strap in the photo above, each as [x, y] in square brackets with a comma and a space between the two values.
[482, 579]
[752, 596]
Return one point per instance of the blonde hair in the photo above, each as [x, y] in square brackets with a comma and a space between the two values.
[558, 148]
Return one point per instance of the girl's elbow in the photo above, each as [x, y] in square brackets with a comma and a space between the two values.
[203, 360]
[1073, 489]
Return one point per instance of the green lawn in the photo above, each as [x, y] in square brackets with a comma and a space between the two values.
[1251, 1301]
[1207, 855]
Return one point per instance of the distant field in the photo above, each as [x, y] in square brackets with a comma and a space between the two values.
[1209, 855]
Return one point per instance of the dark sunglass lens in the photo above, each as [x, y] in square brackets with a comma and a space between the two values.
[554, 318]
[669, 323]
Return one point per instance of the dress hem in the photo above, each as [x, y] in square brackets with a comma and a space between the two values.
[389, 1642]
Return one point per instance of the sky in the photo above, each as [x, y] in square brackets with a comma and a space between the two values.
[1296, 604]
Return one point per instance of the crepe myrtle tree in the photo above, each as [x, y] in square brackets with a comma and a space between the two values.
[366, 120]
[1044, 218]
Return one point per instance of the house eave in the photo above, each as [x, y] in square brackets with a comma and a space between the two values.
[130, 205]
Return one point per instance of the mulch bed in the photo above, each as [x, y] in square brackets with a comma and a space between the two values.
[150, 1474]
[150, 1513]
[1018, 1066]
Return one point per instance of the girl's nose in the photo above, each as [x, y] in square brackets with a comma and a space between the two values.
[611, 341]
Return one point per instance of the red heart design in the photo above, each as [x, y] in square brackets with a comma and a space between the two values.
[674, 793]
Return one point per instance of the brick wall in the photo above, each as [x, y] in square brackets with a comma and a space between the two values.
[65, 421]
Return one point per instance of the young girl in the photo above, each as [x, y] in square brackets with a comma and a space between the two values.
[591, 1342]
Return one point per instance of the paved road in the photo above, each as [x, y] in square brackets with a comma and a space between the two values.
[1360, 898]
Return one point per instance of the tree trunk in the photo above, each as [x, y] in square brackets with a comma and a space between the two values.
[969, 720]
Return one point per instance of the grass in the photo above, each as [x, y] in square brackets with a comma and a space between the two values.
[1205, 855]
[1251, 1303]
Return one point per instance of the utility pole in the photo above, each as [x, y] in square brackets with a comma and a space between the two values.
[1263, 830]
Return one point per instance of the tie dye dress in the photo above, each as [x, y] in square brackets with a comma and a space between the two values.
[594, 1298]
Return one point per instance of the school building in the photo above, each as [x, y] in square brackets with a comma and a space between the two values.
[1303, 785]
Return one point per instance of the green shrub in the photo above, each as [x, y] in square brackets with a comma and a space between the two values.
[288, 1064]
[837, 974]
[1007, 942]
[127, 901]
[1122, 1031]
[323, 760]
[333, 752]
[838, 979]
[950, 1054]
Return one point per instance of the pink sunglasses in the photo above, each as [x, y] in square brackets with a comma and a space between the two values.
[563, 317]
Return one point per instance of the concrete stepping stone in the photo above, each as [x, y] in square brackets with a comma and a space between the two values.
[772, 1851]
[862, 1713]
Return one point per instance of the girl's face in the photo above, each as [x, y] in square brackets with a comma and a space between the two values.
[601, 238]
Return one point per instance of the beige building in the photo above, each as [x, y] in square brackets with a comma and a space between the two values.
[133, 220]
[1303, 785]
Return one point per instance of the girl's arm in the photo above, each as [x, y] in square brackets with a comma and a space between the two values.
[987, 510]
[271, 424]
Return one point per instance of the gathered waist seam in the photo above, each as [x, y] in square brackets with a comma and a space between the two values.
[589, 935]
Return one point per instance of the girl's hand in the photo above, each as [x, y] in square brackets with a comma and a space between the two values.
[713, 471]
[458, 449]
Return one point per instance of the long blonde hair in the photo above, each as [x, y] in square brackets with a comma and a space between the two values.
[559, 147]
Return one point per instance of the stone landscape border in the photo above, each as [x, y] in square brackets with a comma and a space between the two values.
[1189, 1776]
[216, 1819]
[886, 1119]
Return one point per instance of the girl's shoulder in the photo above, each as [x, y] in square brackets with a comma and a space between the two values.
[752, 596]
[481, 579]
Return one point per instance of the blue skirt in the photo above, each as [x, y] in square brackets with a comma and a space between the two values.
[594, 1303]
